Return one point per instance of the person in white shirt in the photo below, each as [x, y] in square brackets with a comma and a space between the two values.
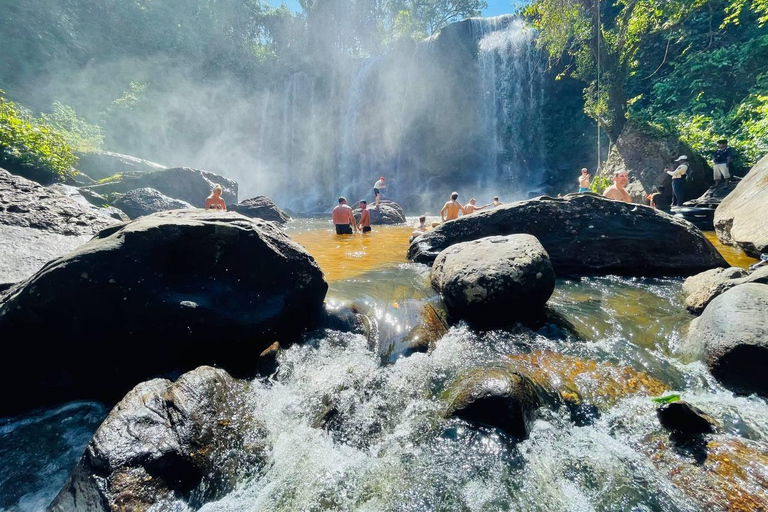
[678, 180]
[377, 190]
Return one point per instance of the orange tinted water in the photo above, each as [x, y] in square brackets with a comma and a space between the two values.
[733, 255]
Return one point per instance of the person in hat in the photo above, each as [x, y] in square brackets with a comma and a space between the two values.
[365, 217]
[678, 180]
[377, 189]
[721, 163]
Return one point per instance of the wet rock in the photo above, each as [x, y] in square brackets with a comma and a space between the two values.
[184, 183]
[684, 418]
[740, 219]
[586, 234]
[146, 201]
[388, 212]
[731, 335]
[38, 224]
[166, 292]
[495, 397]
[430, 327]
[169, 445]
[102, 164]
[494, 280]
[702, 288]
[714, 195]
[260, 207]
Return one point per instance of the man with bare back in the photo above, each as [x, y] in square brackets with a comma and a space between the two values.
[452, 208]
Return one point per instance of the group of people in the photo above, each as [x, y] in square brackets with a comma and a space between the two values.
[343, 218]
[453, 207]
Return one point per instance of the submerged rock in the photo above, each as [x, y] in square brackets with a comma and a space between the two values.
[38, 224]
[260, 207]
[494, 280]
[169, 445]
[146, 201]
[702, 288]
[731, 335]
[494, 397]
[740, 220]
[388, 212]
[586, 234]
[684, 418]
[166, 292]
[184, 183]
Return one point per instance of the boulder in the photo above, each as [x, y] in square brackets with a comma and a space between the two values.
[714, 195]
[684, 418]
[731, 335]
[146, 201]
[166, 292]
[260, 207]
[643, 152]
[102, 164]
[495, 397]
[740, 219]
[96, 202]
[38, 224]
[702, 288]
[586, 234]
[388, 212]
[494, 280]
[190, 185]
[169, 445]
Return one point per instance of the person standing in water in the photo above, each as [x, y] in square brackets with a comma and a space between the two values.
[343, 218]
[616, 191]
[452, 208]
[214, 201]
[584, 180]
[365, 217]
[377, 189]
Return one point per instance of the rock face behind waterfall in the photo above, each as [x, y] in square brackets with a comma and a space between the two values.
[260, 207]
[170, 445]
[586, 234]
[38, 224]
[388, 212]
[742, 217]
[166, 292]
[494, 280]
[101, 164]
[190, 185]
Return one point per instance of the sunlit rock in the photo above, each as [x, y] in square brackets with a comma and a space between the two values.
[146, 201]
[740, 219]
[169, 445]
[684, 418]
[184, 183]
[166, 292]
[96, 202]
[38, 224]
[101, 164]
[260, 207]
[494, 397]
[586, 234]
[731, 336]
[388, 212]
[702, 288]
[494, 280]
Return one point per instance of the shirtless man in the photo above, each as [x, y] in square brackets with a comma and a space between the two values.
[343, 218]
[214, 201]
[616, 191]
[365, 217]
[472, 207]
[452, 208]
[420, 229]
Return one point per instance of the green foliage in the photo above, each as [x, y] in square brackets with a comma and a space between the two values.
[599, 184]
[666, 399]
[29, 143]
[78, 133]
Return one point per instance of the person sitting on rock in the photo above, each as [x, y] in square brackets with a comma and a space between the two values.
[365, 217]
[214, 201]
[616, 191]
[452, 208]
[343, 219]
[472, 206]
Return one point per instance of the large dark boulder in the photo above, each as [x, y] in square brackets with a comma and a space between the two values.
[685, 418]
[101, 164]
[166, 292]
[146, 201]
[643, 152]
[260, 207]
[714, 195]
[38, 224]
[731, 335]
[586, 234]
[388, 212]
[169, 445]
[190, 185]
[702, 288]
[494, 280]
[740, 219]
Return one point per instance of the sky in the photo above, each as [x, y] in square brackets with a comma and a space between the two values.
[495, 7]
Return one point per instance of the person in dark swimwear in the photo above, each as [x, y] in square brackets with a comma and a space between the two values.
[377, 189]
[343, 218]
[365, 217]
[214, 201]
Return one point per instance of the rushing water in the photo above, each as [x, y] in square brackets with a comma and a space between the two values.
[388, 447]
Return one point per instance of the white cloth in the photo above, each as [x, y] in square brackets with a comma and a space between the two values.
[720, 172]
[379, 184]
[680, 172]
